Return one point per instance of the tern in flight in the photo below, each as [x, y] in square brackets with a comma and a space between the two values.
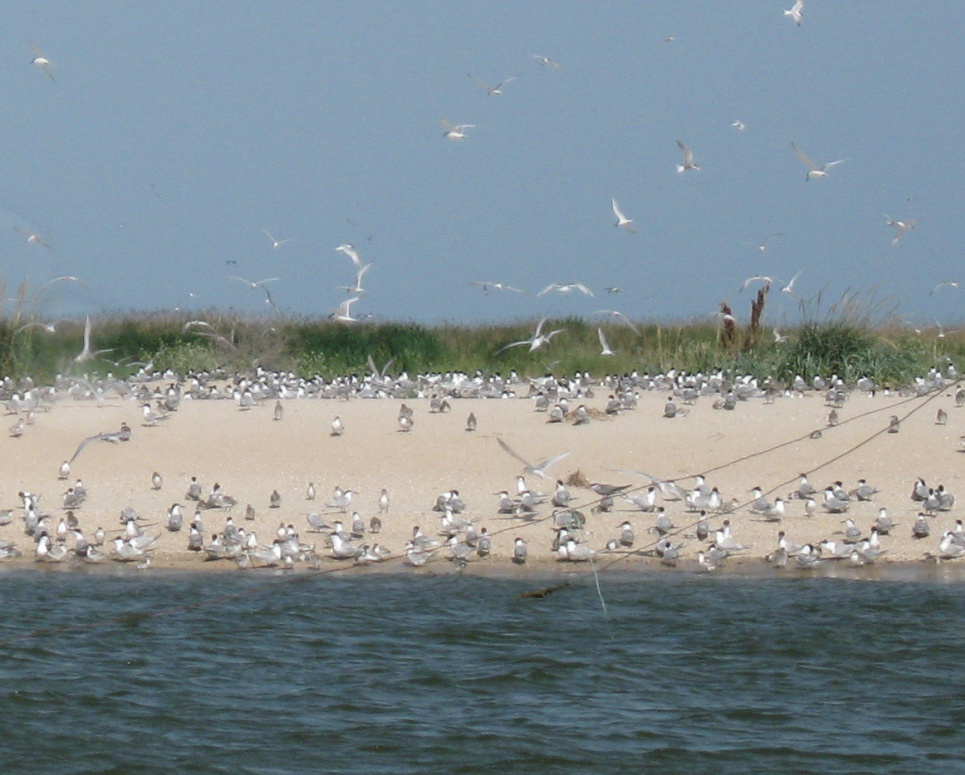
[545, 61]
[900, 228]
[39, 60]
[492, 91]
[814, 170]
[258, 285]
[490, 286]
[275, 243]
[537, 340]
[537, 470]
[796, 12]
[566, 288]
[344, 312]
[605, 348]
[456, 131]
[32, 238]
[622, 220]
[620, 316]
[949, 283]
[688, 159]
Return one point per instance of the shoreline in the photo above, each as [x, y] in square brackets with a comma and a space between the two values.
[760, 443]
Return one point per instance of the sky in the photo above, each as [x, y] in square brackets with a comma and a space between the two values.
[173, 135]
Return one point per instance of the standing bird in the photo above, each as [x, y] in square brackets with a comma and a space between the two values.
[519, 551]
[337, 427]
[471, 422]
[384, 501]
[156, 481]
[279, 411]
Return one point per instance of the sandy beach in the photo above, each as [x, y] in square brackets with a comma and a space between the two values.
[250, 455]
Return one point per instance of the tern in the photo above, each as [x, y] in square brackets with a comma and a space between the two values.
[900, 227]
[814, 170]
[796, 12]
[488, 286]
[39, 60]
[565, 288]
[688, 159]
[456, 131]
[620, 316]
[622, 220]
[949, 283]
[545, 61]
[492, 91]
[344, 314]
[87, 354]
[540, 468]
[537, 340]
[604, 344]
[32, 238]
[275, 243]
[740, 126]
[349, 250]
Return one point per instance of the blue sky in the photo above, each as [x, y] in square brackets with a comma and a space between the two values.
[176, 131]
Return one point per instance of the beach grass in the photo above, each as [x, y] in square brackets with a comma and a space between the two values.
[889, 353]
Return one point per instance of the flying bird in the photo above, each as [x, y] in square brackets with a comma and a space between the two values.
[32, 238]
[622, 220]
[688, 159]
[900, 227]
[344, 312]
[456, 131]
[349, 250]
[796, 12]
[87, 354]
[620, 316]
[492, 91]
[488, 286]
[39, 60]
[545, 61]
[789, 288]
[949, 283]
[537, 470]
[566, 288]
[537, 340]
[765, 281]
[740, 126]
[275, 243]
[604, 344]
[815, 171]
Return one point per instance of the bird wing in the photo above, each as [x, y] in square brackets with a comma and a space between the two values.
[548, 288]
[583, 288]
[603, 342]
[515, 454]
[803, 157]
[540, 468]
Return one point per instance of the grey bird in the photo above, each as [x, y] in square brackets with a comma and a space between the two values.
[519, 551]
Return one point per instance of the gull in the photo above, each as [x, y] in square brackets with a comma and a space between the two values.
[604, 343]
[536, 341]
[488, 286]
[343, 314]
[492, 91]
[688, 159]
[815, 171]
[620, 316]
[32, 238]
[87, 354]
[900, 228]
[275, 243]
[540, 468]
[456, 131]
[42, 62]
[622, 220]
[545, 61]
[565, 288]
[796, 12]
[949, 283]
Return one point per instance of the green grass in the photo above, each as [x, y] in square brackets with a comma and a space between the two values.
[849, 339]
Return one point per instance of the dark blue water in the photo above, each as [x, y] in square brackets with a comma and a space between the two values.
[411, 674]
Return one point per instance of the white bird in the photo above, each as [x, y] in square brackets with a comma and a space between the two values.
[688, 159]
[492, 91]
[275, 243]
[622, 220]
[900, 227]
[39, 60]
[815, 171]
[949, 283]
[540, 468]
[356, 287]
[488, 286]
[344, 313]
[740, 126]
[32, 238]
[796, 12]
[604, 344]
[565, 288]
[765, 281]
[349, 250]
[87, 354]
[338, 428]
[537, 340]
[545, 61]
[620, 316]
[258, 285]
[789, 288]
[456, 131]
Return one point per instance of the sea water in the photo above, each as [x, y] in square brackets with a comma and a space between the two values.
[670, 673]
